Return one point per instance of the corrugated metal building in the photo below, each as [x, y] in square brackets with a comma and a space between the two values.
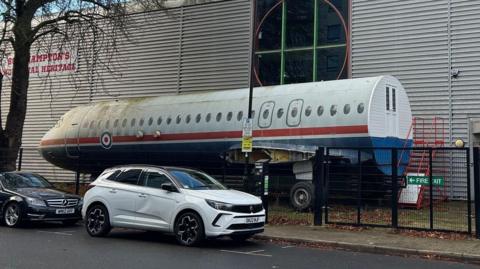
[205, 47]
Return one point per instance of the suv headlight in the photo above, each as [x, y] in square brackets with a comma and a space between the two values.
[220, 205]
[35, 202]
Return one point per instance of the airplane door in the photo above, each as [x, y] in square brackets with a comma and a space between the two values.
[391, 111]
[294, 112]
[265, 116]
[71, 140]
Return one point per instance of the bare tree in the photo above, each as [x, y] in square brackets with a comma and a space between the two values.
[27, 24]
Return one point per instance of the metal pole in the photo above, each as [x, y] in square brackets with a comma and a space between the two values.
[318, 181]
[265, 189]
[359, 187]
[430, 165]
[394, 189]
[253, 5]
[77, 183]
[469, 195]
[476, 187]
[20, 159]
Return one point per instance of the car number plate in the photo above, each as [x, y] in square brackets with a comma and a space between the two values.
[252, 220]
[65, 211]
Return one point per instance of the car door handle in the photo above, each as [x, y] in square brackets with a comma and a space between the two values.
[113, 191]
[142, 195]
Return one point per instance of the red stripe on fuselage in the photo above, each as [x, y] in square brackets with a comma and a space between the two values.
[359, 129]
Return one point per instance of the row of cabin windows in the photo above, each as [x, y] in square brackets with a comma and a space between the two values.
[229, 116]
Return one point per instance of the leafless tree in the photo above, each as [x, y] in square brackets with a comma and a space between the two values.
[30, 24]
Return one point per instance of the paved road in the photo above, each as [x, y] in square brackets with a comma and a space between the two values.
[53, 246]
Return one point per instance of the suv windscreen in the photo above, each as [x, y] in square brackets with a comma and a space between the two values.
[196, 180]
[129, 176]
[17, 181]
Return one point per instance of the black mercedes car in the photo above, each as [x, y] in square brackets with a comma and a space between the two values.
[30, 197]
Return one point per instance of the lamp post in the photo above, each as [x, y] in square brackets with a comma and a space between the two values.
[253, 7]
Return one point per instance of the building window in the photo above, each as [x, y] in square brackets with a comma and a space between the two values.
[290, 51]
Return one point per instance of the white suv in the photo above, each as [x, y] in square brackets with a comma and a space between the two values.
[188, 203]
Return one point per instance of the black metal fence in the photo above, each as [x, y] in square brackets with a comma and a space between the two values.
[414, 188]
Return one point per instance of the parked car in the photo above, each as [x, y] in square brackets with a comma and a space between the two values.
[185, 202]
[30, 197]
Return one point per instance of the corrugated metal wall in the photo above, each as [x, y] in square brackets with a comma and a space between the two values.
[191, 48]
[418, 42]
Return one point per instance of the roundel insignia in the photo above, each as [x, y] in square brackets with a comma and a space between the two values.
[106, 140]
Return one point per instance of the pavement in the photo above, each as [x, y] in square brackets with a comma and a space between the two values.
[377, 240]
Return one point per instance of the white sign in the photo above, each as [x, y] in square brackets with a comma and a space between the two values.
[247, 128]
[42, 64]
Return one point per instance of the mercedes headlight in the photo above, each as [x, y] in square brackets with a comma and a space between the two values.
[220, 205]
[35, 202]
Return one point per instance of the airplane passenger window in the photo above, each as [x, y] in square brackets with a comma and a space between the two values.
[124, 123]
[107, 124]
[346, 109]
[229, 116]
[188, 118]
[280, 113]
[142, 121]
[150, 121]
[169, 120]
[333, 110]
[294, 112]
[91, 124]
[219, 116]
[198, 118]
[308, 111]
[132, 123]
[265, 114]
[253, 114]
[360, 108]
[320, 111]
[115, 123]
[159, 120]
[240, 115]
[209, 116]
[179, 119]
[85, 124]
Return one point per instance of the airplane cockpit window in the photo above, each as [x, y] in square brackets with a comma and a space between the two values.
[142, 121]
[219, 116]
[124, 123]
[188, 119]
[346, 109]
[229, 116]
[179, 119]
[333, 110]
[360, 108]
[159, 120]
[169, 120]
[308, 111]
[198, 118]
[240, 115]
[209, 117]
[132, 123]
[320, 111]
[150, 121]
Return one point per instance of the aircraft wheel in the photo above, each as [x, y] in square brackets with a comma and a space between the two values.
[302, 195]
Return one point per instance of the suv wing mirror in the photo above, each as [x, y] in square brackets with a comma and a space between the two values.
[168, 187]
